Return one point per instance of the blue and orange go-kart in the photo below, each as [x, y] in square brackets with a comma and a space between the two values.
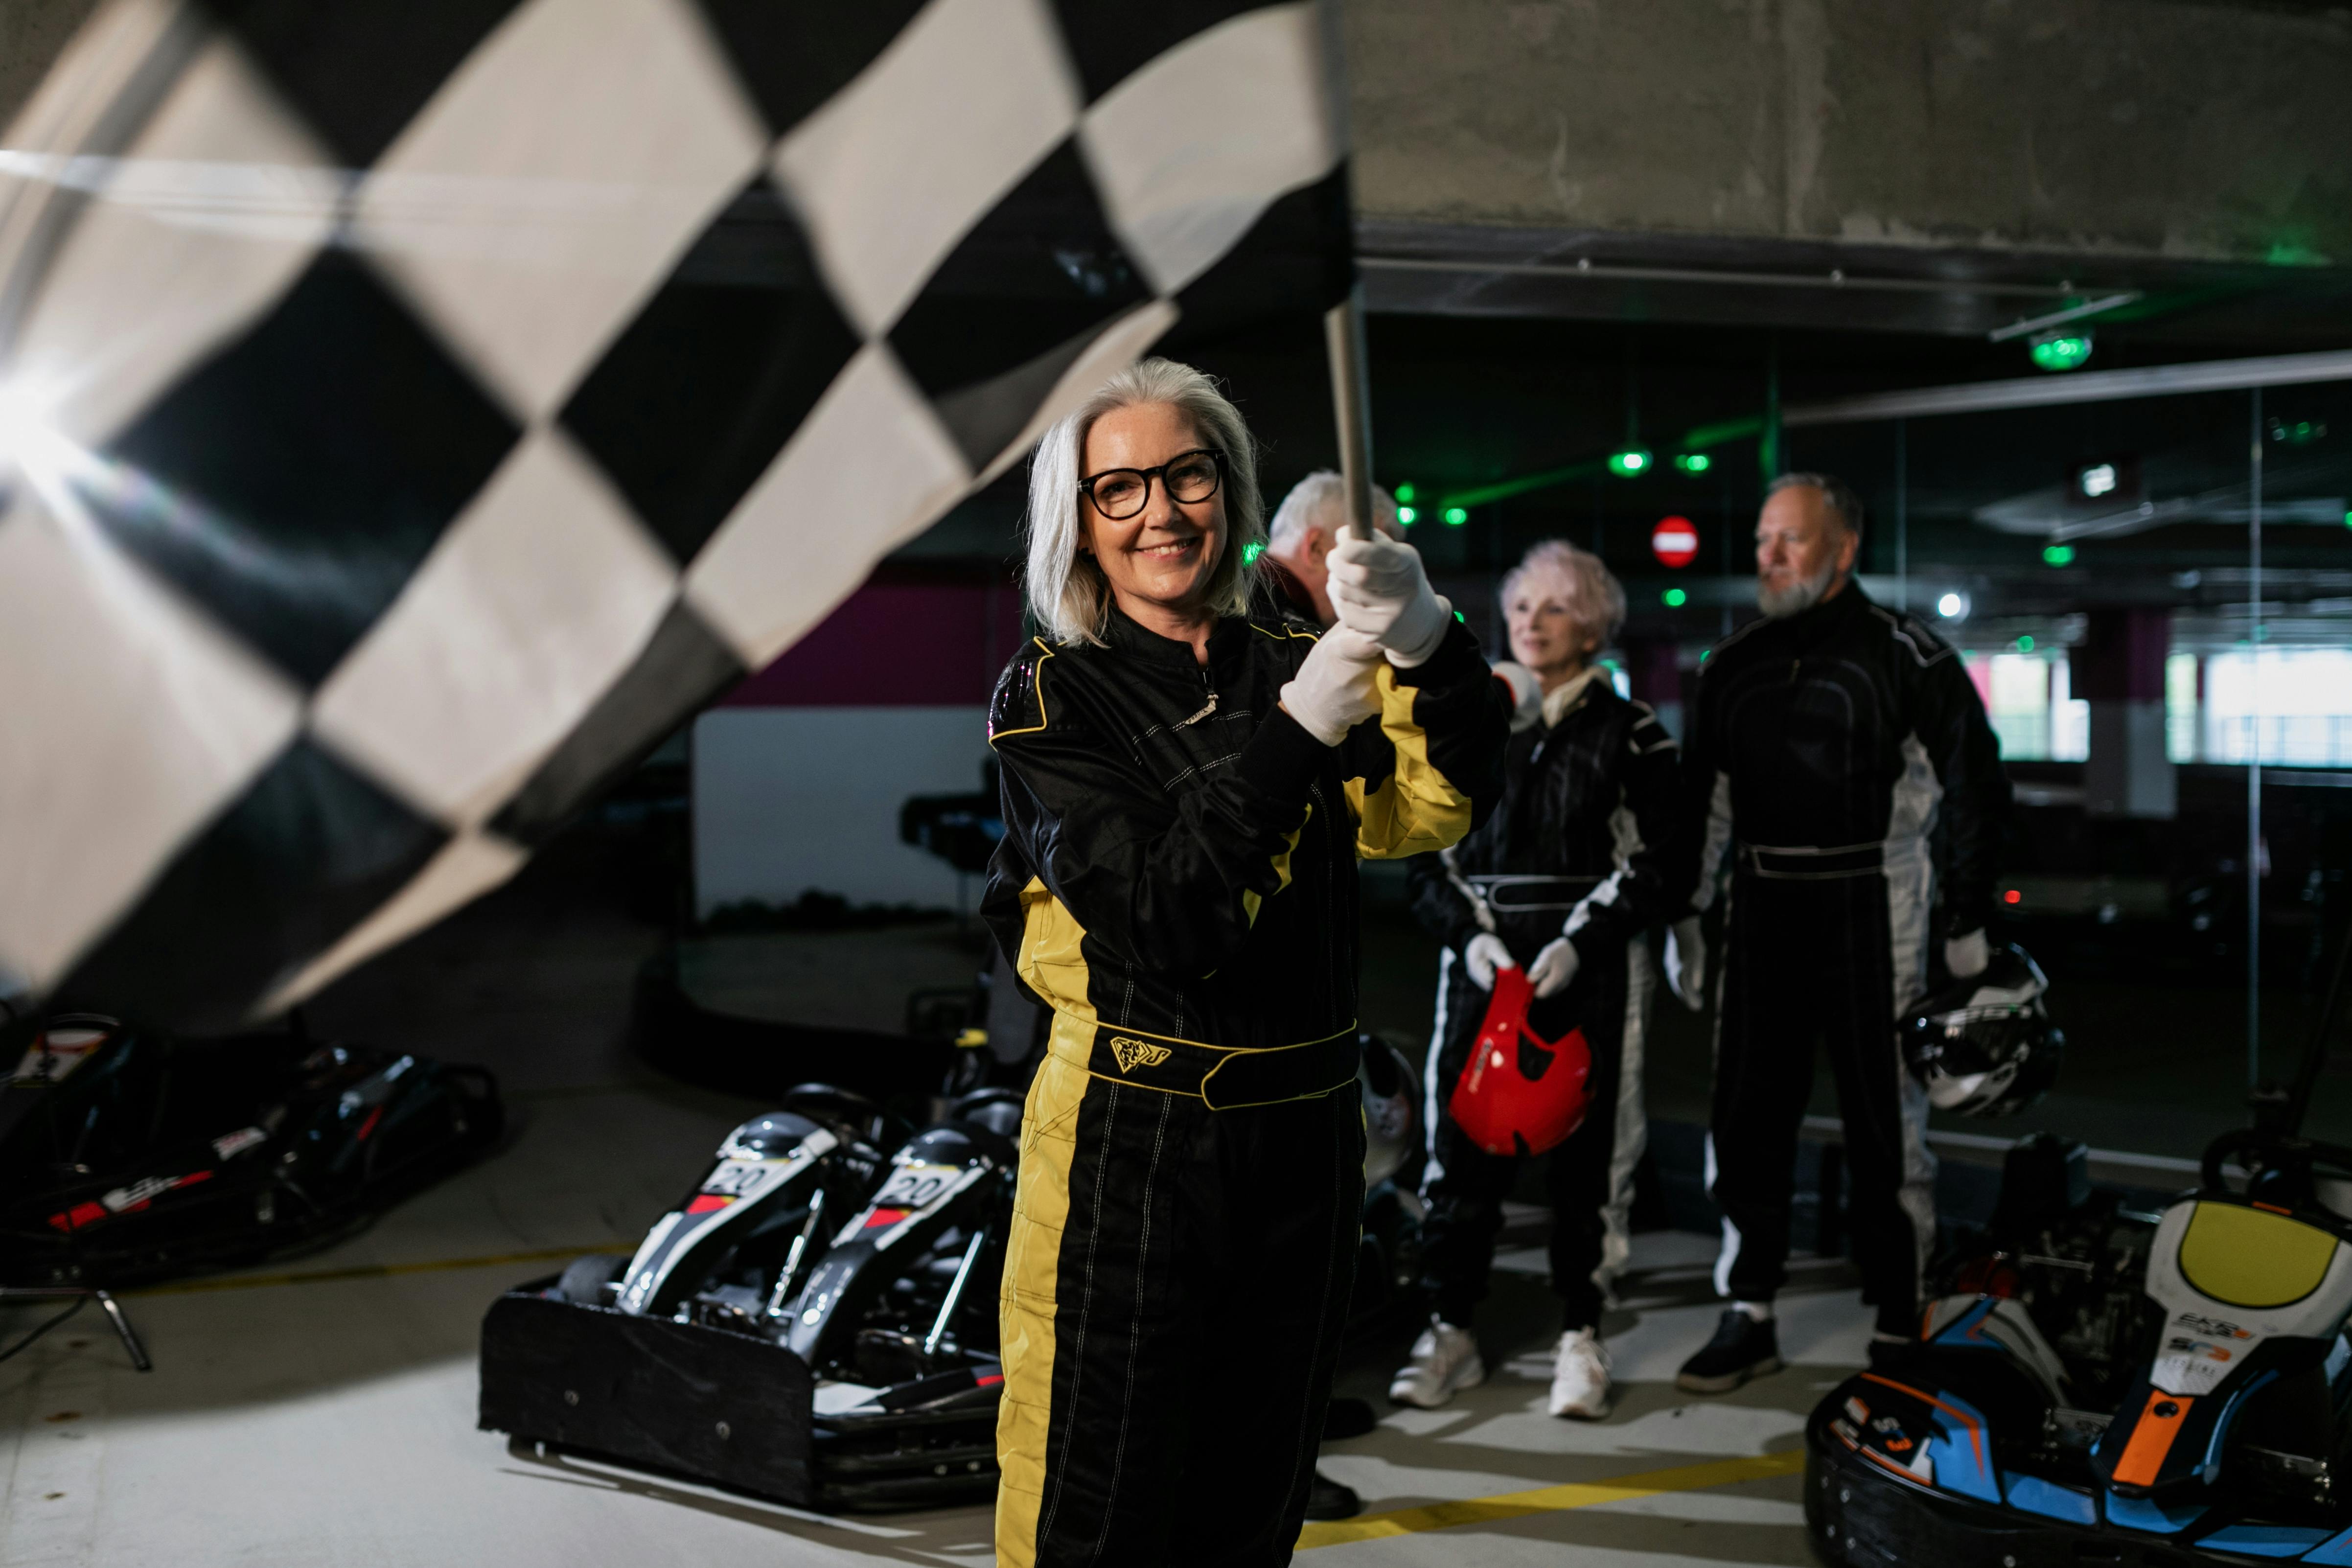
[2098, 1385]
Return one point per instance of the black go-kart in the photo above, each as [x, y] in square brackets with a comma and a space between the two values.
[2099, 1386]
[127, 1157]
[816, 1321]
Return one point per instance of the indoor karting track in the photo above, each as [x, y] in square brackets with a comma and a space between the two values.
[320, 1410]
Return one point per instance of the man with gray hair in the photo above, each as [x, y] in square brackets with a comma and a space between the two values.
[1830, 740]
[1312, 519]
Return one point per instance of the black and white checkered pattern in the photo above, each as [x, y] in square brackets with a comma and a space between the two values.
[418, 407]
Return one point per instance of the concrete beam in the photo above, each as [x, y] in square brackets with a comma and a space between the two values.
[2212, 132]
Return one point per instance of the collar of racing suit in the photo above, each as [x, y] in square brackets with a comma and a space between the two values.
[1564, 697]
[1817, 622]
[1127, 636]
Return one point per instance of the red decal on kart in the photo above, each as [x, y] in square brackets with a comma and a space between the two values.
[707, 1203]
[881, 1219]
[368, 1126]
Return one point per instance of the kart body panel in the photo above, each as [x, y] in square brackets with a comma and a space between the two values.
[127, 1157]
[2228, 1443]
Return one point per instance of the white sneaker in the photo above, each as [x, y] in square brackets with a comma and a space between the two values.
[1579, 1376]
[1444, 1361]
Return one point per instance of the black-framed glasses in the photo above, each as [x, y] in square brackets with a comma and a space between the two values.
[1120, 493]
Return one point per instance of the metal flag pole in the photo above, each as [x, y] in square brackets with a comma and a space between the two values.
[1351, 405]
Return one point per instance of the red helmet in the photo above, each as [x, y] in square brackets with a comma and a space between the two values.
[1519, 1093]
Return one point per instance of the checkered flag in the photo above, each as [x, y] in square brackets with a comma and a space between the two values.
[410, 410]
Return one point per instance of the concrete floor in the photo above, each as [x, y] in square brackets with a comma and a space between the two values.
[322, 1413]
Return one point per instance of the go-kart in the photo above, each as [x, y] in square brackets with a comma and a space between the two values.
[126, 1156]
[815, 1321]
[2098, 1385]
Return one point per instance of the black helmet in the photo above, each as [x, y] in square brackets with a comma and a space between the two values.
[1985, 1045]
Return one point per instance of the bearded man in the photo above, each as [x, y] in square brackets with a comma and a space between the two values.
[1832, 739]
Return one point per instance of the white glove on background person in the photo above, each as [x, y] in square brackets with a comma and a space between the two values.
[1334, 689]
[1483, 954]
[1379, 589]
[1554, 967]
[1526, 693]
[1685, 962]
[1965, 956]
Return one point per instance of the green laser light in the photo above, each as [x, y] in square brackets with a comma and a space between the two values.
[1251, 552]
[1675, 598]
[2025, 645]
[1455, 516]
[1407, 516]
[1404, 493]
[2061, 351]
[2058, 555]
[1693, 462]
[1629, 462]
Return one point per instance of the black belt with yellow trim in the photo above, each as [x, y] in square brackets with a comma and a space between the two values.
[1223, 1078]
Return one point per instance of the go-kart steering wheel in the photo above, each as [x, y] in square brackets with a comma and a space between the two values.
[2281, 1170]
[846, 1111]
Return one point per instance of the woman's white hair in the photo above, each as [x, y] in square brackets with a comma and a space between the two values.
[1589, 590]
[1066, 591]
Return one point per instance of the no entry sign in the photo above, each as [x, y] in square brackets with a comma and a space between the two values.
[1674, 542]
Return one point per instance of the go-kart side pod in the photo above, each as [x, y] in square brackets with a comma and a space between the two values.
[924, 1193]
[769, 1164]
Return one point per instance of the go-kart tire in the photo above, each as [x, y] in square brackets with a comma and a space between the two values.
[584, 1280]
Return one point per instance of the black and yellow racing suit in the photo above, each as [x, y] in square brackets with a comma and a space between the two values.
[1177, 882]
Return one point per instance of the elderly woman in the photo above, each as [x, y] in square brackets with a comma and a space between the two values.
[1186, 788]
[1564, 878]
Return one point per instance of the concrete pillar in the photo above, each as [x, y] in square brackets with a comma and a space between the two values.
[1651, 677]
[2119, 669]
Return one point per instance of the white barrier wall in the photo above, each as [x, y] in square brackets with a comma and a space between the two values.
[787, 799]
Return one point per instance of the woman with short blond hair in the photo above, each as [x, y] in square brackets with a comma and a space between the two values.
[1563, 880]
[1188, 780]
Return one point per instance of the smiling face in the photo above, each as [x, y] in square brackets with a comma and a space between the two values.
[1545, 633]
[1159, 561]
[1804, 551]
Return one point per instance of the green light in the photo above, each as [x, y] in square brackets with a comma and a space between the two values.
[1251, 550]
[1632, 460]
[1462, 618]
[1404, 493]
[1693, 462]
[2025, 645]
[2061, 351]
[1455, 516]
[1407, 517]
[2348, 519]
[1675, 598]
[2058, 555]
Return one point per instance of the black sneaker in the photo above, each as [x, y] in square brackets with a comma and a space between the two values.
[1742, 1348]
[1326, 1498]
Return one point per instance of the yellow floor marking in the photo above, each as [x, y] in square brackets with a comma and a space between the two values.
[361, 1271]
[1549, 1500]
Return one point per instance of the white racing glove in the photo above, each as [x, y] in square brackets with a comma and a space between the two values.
[1554, 967]
[1334, 689]
[1965, 956]
[1685, 962]
[1483, 954]
[1379, 589]
[1527, 694]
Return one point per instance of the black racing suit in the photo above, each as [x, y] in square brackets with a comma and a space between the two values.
[1825, 749]
[1582, 843]
[1177, 882]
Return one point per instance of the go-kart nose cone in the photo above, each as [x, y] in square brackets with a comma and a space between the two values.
[1520, 1093]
